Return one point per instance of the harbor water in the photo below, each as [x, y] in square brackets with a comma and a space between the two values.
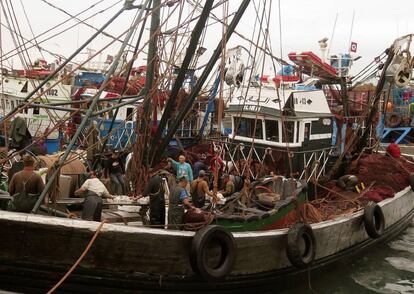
[387, 268]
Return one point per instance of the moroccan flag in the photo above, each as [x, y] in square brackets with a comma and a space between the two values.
[109, 59]
[353, 47]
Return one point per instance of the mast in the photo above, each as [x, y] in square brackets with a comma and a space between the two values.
[3, 97]
[194, 93]
[105, 141]
[220, 107]
[361, 142]
[374, 106]
[152, 62]
[198, 29]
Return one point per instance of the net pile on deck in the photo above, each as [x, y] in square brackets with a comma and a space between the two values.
[381, 176]
[385, 171]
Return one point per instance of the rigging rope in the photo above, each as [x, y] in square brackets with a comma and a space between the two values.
[26, 59]
[31, 29]
[82, 21]
[10, 54]
[249, 156]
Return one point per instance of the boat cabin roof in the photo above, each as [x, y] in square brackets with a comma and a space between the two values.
[296, 103]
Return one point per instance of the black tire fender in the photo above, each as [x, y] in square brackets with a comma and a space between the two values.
[199, 246]
[411, 179]
[374, 220]
[301, 245]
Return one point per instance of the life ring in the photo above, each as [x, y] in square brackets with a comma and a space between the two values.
[198, 253]
[301, 245]
[374, 221]
[393, 121]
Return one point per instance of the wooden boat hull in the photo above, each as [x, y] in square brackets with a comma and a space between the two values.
[40, 249]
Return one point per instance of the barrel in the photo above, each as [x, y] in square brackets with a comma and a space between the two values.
[74, 168]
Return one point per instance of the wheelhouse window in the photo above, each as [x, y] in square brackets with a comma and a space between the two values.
[297, 131]
[306, 135]
[36, 109]
[245, 127]
[272, 130]
[288, 132]
[129, 112]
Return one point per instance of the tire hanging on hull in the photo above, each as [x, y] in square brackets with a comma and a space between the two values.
[411, 180]
[374, 221]
[301, 245]
[202, 240]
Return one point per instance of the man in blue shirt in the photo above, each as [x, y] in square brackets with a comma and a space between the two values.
[179, 199]
[183, 168]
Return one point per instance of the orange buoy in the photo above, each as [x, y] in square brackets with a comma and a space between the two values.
[389, 106]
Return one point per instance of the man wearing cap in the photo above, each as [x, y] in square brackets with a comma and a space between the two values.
[155, 190]
[25, 187]
[94, 190]
[199, 189]
[179, 199]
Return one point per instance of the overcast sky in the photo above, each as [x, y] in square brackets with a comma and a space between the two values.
[304, 22]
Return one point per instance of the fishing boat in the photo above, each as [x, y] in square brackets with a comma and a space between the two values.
[263, 242]
[131, 258]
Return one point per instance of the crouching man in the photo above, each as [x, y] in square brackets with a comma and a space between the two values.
[179, 199]
[348, 182]
[93, 190]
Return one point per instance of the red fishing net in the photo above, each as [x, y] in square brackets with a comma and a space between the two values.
[379, 178]
[384, 171]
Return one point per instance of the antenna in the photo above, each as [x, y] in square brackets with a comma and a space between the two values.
[350, 34]
[332, 35]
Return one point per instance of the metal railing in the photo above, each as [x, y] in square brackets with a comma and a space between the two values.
[314, 161]
[317, 161]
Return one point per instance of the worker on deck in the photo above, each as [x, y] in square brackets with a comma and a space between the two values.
[199, 190]
[25, 187]
[155, 190]
[348, 182]
[179, 199]
[217, 166]
[94, 190]
[39, 147]
[114, 170]
[199, 165]
[228, 184]
[183, 169]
